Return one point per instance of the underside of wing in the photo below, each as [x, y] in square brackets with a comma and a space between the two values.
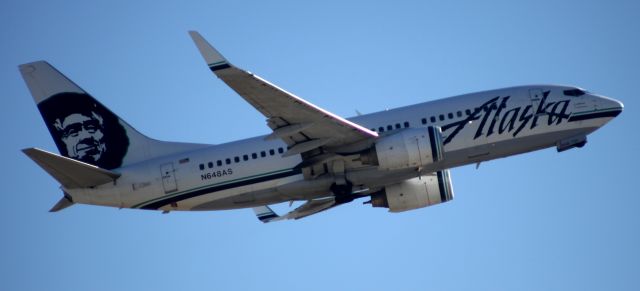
[265, 214]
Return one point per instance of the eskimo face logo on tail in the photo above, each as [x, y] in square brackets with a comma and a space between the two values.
[85, 130]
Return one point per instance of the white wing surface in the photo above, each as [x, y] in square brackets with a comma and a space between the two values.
[300, 124]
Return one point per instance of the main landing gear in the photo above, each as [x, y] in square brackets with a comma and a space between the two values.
[343, 192]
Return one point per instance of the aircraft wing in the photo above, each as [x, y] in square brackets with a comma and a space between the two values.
[302, 125]
[266, 215]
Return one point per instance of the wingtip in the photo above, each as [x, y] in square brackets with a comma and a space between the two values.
[214, 59]
[265, 214]
[23, 65]
[194, 33]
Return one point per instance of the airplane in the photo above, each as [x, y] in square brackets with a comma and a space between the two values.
[399, 158]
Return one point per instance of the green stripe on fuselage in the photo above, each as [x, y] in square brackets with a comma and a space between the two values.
[139, 205]
[594, 111]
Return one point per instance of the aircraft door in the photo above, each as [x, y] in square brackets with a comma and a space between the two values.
[168, 178]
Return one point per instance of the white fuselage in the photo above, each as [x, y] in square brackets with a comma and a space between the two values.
[476, 127]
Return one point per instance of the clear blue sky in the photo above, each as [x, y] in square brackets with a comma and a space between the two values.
[539, 221]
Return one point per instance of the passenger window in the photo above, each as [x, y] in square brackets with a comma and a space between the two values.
[280, 150]
[381, 129]
[406, 124]
[398, 126]
[219, 163]
[424, 121]
[201, 167]
[236, 159]
[373, 129]
[210, 165]
[433, 119]
[450, 115]
[468, 112]
[389, 127]
[245, 157]
[254, 156]
[263, 154]
[272, 152]
[459, 113]
[441, 117]
[228, 161]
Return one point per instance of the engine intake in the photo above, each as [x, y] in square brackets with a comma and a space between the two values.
[430, 189]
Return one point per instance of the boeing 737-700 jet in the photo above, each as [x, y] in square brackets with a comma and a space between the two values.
[398, 159]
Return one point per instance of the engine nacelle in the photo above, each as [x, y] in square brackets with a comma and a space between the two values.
[430, 189]
[409, 148]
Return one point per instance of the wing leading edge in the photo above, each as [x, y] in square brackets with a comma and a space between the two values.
[299, 123]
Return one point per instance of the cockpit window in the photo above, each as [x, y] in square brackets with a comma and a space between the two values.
[574, 92]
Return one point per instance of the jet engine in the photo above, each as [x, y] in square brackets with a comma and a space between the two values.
[409, 148]
[427, 190]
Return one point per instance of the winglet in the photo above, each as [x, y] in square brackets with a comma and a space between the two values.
[265, 214]
[213, 58]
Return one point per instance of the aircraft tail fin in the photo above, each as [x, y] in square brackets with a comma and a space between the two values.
[84, 129]
[68, 172]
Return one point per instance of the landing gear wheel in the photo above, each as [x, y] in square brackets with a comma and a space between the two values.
[342, 192]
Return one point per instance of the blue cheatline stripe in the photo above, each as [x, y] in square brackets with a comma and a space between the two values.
[155, 204]
[214, 67]
[611, 112]
[441, 186]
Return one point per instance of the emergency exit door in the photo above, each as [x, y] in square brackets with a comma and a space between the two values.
[168, 178]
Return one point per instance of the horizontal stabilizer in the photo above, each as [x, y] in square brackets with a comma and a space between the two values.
[64, 202]
[69, 172]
